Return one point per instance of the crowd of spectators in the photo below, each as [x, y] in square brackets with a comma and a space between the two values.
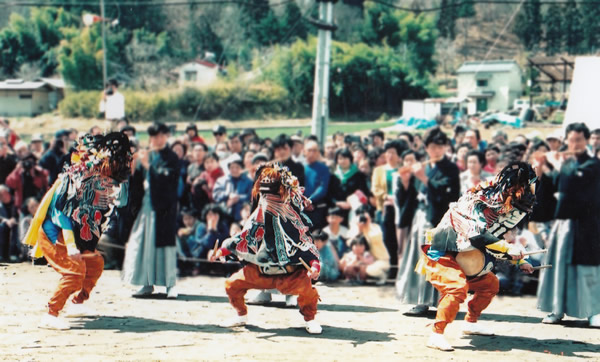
[362, 216]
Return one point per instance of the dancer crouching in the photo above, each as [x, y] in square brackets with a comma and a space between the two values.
[274, 244]
[466, 243]
[72, 216]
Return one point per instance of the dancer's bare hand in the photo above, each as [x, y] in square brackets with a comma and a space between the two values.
[214, 256]
[313, 273]
[518, 256]
[526, 268]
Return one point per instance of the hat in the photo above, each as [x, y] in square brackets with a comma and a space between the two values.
[335, 211]
[376, 132]
[37, 137]
[259, 157]
[235, 158]
[61, 133]
[128, 128]
[219, 129]
[499, 133]
[158, 127]
[189, 211]
[248, 132]
[296, 138]
[556, 134]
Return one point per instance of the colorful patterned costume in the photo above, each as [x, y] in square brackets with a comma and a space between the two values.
[477, 221]
[74, 212]
[272, 242]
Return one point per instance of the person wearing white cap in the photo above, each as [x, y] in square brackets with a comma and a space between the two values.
[554, 140]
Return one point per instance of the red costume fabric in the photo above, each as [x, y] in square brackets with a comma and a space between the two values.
[452, 284]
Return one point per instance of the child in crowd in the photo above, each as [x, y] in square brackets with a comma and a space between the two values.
[338, 233]
[330, 269]
[355, 262]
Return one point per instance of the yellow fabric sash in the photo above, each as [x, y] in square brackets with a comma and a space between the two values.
[31, 238]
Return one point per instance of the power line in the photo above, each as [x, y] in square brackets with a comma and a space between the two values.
[474, 2]
[141, 4]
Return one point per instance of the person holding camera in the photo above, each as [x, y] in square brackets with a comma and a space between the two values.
[112, 104]
[27, 180]
[372, 233]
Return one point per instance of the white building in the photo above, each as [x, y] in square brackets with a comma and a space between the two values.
[491, 85]
[19, 98]
[197, 73]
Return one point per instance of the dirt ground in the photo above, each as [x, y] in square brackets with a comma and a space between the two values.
[359, 323]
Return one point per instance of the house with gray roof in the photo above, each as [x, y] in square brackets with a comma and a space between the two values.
[19, 98]
[491, 85]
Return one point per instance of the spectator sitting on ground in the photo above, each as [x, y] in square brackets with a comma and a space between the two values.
[330, 268]
[374, 236]
[338, 233]
[201, 236]
[354, 263]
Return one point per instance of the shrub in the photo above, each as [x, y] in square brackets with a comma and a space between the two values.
[80, 104]
[220, 100]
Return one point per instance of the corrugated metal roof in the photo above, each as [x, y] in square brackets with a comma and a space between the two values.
[20, 85]
[56, 83]
[487, 66]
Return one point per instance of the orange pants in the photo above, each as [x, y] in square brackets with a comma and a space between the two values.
[297, 283]
[448, 278]
[77, 275]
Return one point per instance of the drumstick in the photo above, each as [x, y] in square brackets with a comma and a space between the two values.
[542, 267]
[305, 265]
[535, 252]
[216, 247]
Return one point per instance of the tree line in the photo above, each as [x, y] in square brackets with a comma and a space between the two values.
[554, 28]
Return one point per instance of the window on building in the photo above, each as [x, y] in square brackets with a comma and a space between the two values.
[190, 76]
[482, 82]
[25, 96]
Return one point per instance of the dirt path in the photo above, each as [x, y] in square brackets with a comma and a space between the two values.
[359, 323]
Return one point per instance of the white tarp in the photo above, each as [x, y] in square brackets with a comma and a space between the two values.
[584, 97]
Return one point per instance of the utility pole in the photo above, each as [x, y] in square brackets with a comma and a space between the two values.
[320, 111]
[103, 44]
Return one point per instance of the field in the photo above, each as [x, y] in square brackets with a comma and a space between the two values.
[359, 323]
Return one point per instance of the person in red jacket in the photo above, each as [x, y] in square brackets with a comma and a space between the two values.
[27, 180]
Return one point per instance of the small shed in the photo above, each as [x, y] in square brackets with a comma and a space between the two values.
[19, 98]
